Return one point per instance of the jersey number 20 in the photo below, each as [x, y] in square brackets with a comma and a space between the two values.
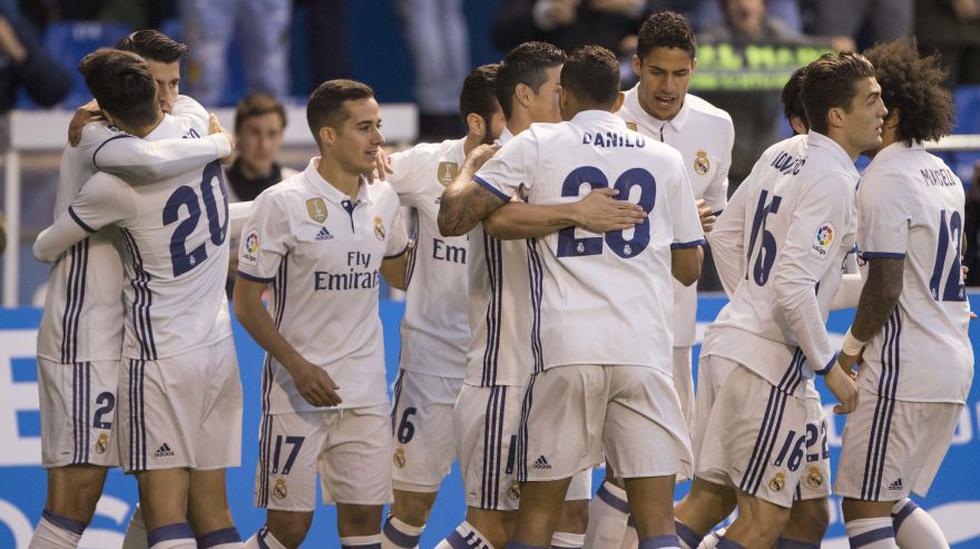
[569, 246]
[180, 258]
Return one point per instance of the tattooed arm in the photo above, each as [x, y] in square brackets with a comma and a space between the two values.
[878, 300]
[465, 202]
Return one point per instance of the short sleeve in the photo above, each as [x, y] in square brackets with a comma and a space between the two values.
[684, 213]
[512, 167]
[266, 239]
[406, 176]
[103, 200]
[398, 236]
[884, 214]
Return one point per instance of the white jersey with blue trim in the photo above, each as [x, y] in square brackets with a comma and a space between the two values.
[499, 308]
[174, 234]
[600, 299]
[704, 135]
[321, 252]
[83, 311]
[910, 205]
[793, 223]
[435, 332]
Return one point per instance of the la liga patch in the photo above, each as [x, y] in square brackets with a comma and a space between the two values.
[823, 240]
[250, 248]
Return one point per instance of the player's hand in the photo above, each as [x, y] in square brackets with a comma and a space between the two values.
[382, 167]
[88, 112]
[215, 127]
[479, 156]
[599, 212]
[622, 7]
[10, 44]
[707, 216]
[315, 385]
[842, 383]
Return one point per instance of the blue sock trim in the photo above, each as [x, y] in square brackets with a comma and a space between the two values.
[370, 546]
[398, 537]
[260, 537]
[659, 541]
[64, 523]
[785, 543]
[690, 537]
[612, 500]
[725, 543]
[180, 530]
[902, 514]
[515, 545]
[866, 538]
[225, 535]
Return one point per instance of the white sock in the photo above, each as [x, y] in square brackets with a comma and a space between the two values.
[871, 533]
[466, 535]
[172, 536]
[263, 539]
[711, 540]
[361, 542]
[915, 528]
[607, 517]
[56, 532]
[136, 532]
[631, 540]
[226, 538]
[400, 535]
[567, 540]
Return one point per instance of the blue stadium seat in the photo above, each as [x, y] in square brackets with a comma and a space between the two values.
[967, 99]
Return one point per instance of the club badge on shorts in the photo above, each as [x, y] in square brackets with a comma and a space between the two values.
[102, 444]
[813, 477]
[379, 228]
[514, 492]
[701, 162]
[317, 209]
[279, 491]
[447, 172]
[777, 482]
[400, 458]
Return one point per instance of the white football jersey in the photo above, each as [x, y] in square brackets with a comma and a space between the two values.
[322, 252]
[176, 254]
[435, 331]
[499, 308]
[600, 299]
[794, 222]
[704, 135]
[910, 204]
[83, 312]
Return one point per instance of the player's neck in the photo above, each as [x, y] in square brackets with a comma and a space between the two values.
[471, 142]
[841, 139]
[518, 122]
[139, 131]
[338, 177]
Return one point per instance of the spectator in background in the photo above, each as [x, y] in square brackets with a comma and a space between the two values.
[711, 13]
[259, 124]
[263, 32]
[865, 21]
[951, 27]
[439, 41]
[24, 64]
[329, 52]
[567, 24]
[971, 229]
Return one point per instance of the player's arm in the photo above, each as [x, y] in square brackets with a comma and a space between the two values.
[263, 247]
[727, 240]
[102, 200]
[469, 200]
[597, 212]
[685, 264]
[394, 267]
[851, 284]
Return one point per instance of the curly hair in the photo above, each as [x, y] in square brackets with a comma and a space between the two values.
[912, 85]
[666, 29]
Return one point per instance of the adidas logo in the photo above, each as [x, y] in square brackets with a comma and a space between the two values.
[541, 463]
[163, 451]
[324, 234]
[897, 485]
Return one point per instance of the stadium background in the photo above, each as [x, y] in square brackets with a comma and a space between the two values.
[379, 56]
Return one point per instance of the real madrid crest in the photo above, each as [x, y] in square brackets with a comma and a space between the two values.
[777, 482]
[400, 458]
[317, 209]
[701, 162]
[514, 492]
[280, 491]
[447, 172]
[813, 478]
[379, 228]
[102, 444]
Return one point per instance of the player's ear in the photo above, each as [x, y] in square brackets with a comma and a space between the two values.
[618, 104]
[636, 64]
[694, 64]
[522, 93]
[835, 117]
[327, 135]
[475, 124]
[893, 118]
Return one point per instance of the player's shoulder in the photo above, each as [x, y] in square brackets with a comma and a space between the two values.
[290, 187]
[95, 134]
[711, 114]
[382, 193]
[795, 145]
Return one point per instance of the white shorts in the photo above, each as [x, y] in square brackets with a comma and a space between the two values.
[684, 382]
[891, 448]
[349, 448]
[486, 421]
[571, 413]
[754, 437]
[78, 413]
[422, 430]
[182, 411]
[815, 478]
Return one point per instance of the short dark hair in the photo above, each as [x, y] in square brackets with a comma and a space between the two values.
[326, 104]
[792, 98]
[258, 104]
[153, 45]
[829, 83]
[479, 94]
[122, 84]
[591, 74]
[913, 86]
[525, 64]
[666, 29]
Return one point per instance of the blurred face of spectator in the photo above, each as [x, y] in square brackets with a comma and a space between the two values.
[746, 15]
[167, 76]
[259, 140]
[543, 105]
[355, 144]
[664, 76]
